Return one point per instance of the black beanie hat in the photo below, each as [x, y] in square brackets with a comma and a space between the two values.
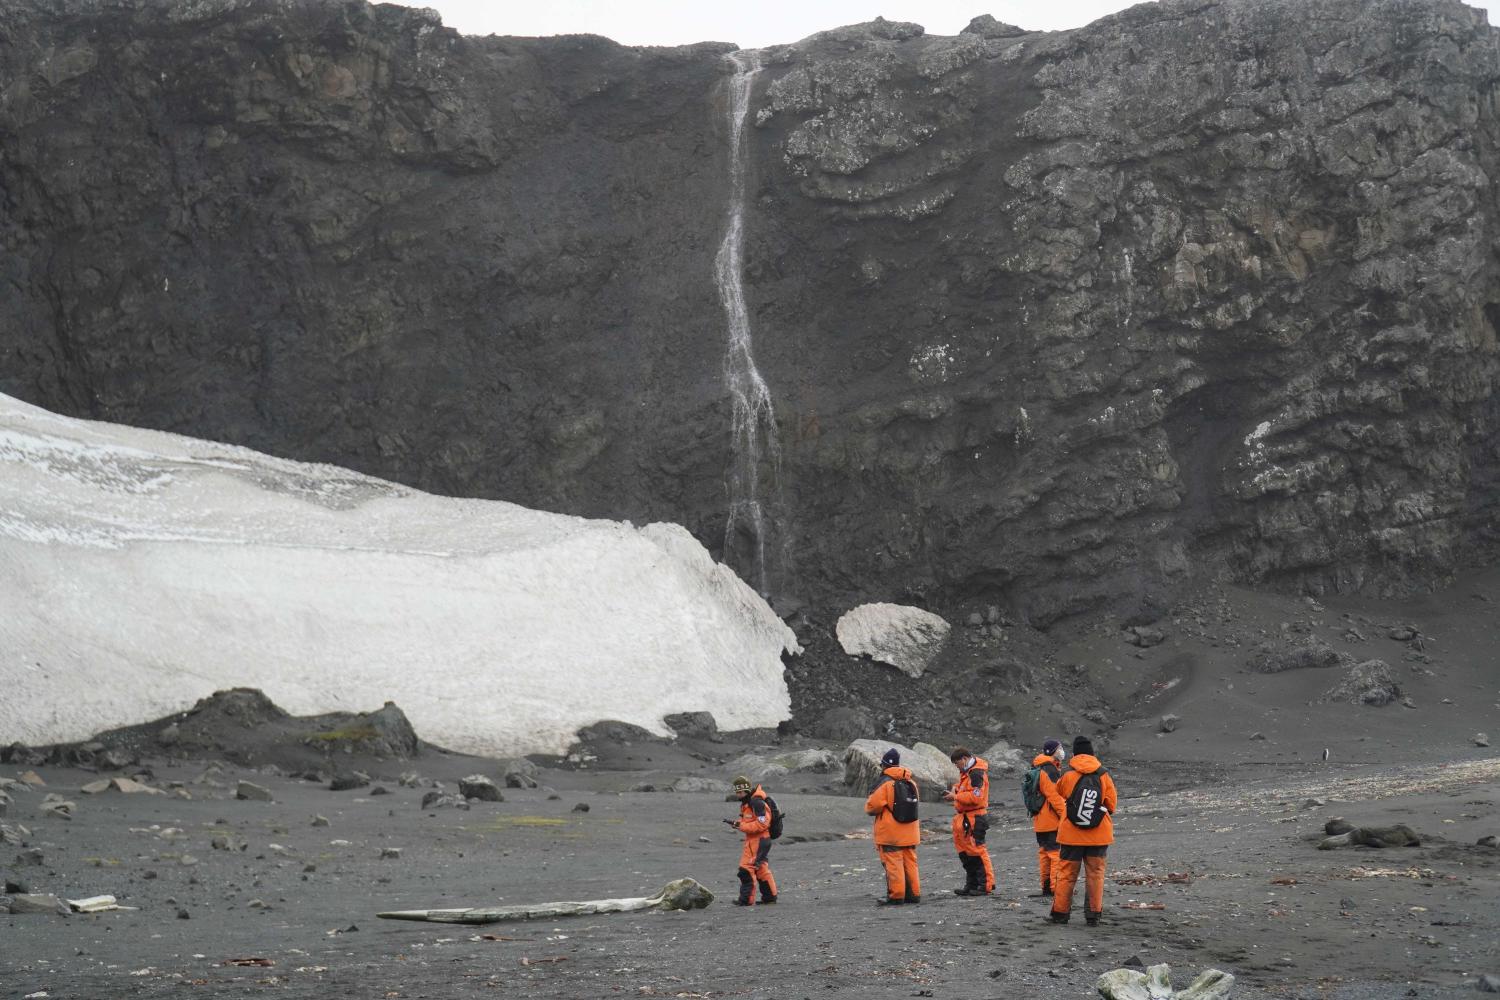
[1082, 744]
[891, 758]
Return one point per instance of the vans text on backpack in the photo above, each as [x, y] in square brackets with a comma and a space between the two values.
[1086, 801]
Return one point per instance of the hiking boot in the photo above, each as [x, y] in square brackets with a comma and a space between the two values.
[1058, 918]
[1092, 919]
[912, 900]
[889, 902]
[768, 899]
[967, 891]
[742, 902]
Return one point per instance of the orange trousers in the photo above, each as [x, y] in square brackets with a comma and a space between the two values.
[1046, 858]
[757, 869]
[964, 841]
[901, 879]
[1065, 876]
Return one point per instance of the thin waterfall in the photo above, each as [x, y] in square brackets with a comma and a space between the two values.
[753, 420]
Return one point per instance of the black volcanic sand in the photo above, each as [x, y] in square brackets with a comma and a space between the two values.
[1219, 828]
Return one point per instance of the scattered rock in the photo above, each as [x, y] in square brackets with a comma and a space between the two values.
[1368, 683]
[1156, 984]
[409, 779]
[1402, 633]
[1488, 984]
[183, 914]
[1334, 827]
[220, 843]
[347, 781]
[907, 638]
[125, 786]
[249, 791]
[16, 885]
[380, 790]
[31, 778]
[1275, 656]
[390, 854]
[56, 805]
[26, 902]
[31, 857]
[1144, 636]
[1006, 759]
[644, 786]
[581, 807]
[521, 773]
[1257, 735]
[442, 800]
[1488, 840]
[1399, 835]
[1169, 723]
[477, 786]
[1481, 740]
[320, 821]
[693, 784]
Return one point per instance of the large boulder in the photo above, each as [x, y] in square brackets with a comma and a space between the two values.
[907, 638]
[933, 771]
[761, 768]
[1369, 683]
[1005, 759]
[1275, 656]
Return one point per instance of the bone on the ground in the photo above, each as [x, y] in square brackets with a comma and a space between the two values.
[1156, 984]
[682, 894]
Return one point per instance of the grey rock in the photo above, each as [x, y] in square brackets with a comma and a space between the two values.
[441, 800]
[844, 723]
[694, 784]
[985, 26]
[55, 805]
[694, 725]
[933, 772]
[581, 807]
[1368, 683]
[761, 768]
[477, 786]
[16, 885]
[323, 820]
[347, 781]
[29, 903]
[1488, 984]
[1169, 723]
[1402, 633]
[1488, 840]
[183, 914]
[390, 853]
[1305, 653]
[249, 791]
[1481, 740]
[1335, 827]
[1145, 636]
[1257, 736]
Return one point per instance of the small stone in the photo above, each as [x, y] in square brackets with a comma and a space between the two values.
[644, 786]
[219, 843]
[249, 791]
[26, 902]
[32, 856]
[581, 807]
[149, 874]
[390, 853]
[1488, 840]
[1169, 723]
[320, 821]
[16, 886]
[1313, 803]
[309, 868]
[1402, 633]
[348, 781]
[1481, 740]
[477, 786]
[1257, 735]
[258, 904]
[410, 779]
[1489, 984]
[1144, 636]
[974, 620]
[187, 861]
[1346, 903]
[182, 913]
[704, 840]
[380, 790]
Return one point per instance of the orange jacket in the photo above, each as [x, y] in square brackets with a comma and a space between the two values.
[755, 815]
[888, 832]
[1048, 819]
[972, 793]
[1067, 833]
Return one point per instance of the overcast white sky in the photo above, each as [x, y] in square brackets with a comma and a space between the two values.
[750, 24]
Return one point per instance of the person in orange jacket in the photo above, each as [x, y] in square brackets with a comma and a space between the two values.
[1045, 821]
[896, 838]
[1084, 833]
[755, 823]
[971, 804]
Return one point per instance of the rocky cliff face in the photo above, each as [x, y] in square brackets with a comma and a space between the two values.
[1051, 321]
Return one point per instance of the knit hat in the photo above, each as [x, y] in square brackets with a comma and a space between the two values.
[741, 785]
[1082, 744]
[1050, 747]
[891, 758]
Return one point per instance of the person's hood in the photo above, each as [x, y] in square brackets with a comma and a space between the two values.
[1085, 763]
[1043, 758]
[898, 773]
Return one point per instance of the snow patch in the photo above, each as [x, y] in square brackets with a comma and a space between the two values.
[141, 571]
[907, 638]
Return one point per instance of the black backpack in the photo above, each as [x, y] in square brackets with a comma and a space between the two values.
[777, 816]
[1086, 800]
[903, 800]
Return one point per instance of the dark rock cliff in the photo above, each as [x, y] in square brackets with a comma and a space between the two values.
[1051, 321]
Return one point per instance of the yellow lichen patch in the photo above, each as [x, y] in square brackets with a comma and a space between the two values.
[347, 733]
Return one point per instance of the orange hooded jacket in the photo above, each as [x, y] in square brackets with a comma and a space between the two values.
[966, 797]
[1067, 833]
[1047, 820]
[888, 832]
[755, 815]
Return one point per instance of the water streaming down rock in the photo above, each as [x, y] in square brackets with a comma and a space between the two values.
[753, 418]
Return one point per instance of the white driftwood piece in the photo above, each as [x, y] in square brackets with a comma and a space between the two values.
[682, 894]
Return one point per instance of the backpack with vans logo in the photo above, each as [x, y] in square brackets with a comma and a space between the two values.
[1086, 800]
[1031, 787]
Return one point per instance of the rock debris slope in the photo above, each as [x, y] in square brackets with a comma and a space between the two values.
[1053, 321]
[141, 571]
